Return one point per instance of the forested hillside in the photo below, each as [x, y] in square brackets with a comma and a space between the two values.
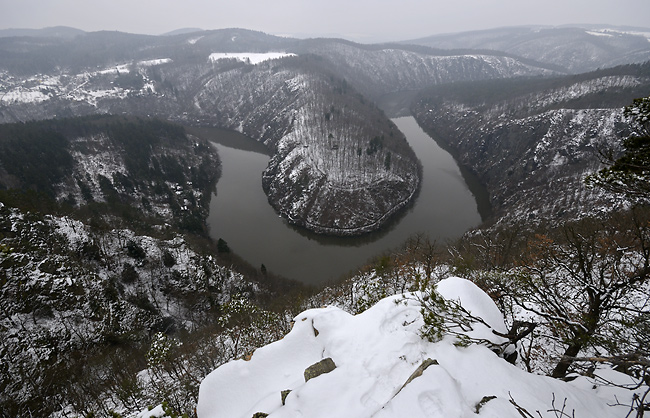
[133, 167]
[376, 70]
[533, 142]
[576, 49]
[103, 254]
[115, 301]
[339, 166]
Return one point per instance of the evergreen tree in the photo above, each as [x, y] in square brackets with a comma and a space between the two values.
[630, 173]
[222, 246]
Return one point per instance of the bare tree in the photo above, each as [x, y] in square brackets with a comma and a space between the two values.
[585, 283]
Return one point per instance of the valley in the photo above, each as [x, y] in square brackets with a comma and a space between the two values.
[240, 214]
[329, 143]
[170, 204]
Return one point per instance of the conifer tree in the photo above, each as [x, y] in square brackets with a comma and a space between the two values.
[629, 174]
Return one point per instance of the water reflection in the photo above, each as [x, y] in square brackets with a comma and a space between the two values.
[241, 214]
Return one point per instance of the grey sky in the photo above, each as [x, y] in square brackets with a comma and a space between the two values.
[361, 20]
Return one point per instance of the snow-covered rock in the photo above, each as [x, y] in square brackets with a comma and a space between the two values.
[376, 354]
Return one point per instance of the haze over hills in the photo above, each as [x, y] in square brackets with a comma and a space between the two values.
[182, 31]
[56, 32]
[107, 267]
[576, 49]
[309, 107]
[570, 48]
[319, 90]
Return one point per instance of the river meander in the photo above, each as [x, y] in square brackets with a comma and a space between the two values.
[241, 215]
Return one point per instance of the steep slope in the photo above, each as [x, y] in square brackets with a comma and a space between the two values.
[576, 49]
[148, 167]
[532, 143]
[354, 168]
[81, 301]
[102, 256]
[339, 166]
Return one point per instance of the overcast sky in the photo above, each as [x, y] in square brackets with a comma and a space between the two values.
[360, 20]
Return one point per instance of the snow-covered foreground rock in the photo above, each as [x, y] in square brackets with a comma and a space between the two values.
[384, 368]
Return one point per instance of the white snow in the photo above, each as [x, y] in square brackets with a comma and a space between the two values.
[613, 32]
[126, 68]
[74, 231]
[86, 86]
[603, 34]
[150, 63]
[476, 302]
[251, 57]
[156, 412]
[24, 96]
[122, 69]
[375, 353]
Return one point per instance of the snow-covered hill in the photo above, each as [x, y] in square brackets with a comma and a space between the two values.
[339, 166]
[382, 69]
[532, 144]
[325, 173]
[76, 296]
[575, 49]
[377, 364]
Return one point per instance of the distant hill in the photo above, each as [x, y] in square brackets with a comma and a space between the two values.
[53, 32]
[577, 49]
[182, 31]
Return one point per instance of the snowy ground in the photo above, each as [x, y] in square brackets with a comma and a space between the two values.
[376, 352]
[82, 87]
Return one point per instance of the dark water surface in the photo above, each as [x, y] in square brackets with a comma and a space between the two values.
[241, 215]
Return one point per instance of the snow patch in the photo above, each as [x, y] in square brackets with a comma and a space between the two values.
[24, 96]
[603, 34]
[150, 63]
[613, 32]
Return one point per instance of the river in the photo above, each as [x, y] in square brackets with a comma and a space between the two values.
[241, 215]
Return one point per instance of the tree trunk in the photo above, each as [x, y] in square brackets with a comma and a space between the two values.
[564, 364]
